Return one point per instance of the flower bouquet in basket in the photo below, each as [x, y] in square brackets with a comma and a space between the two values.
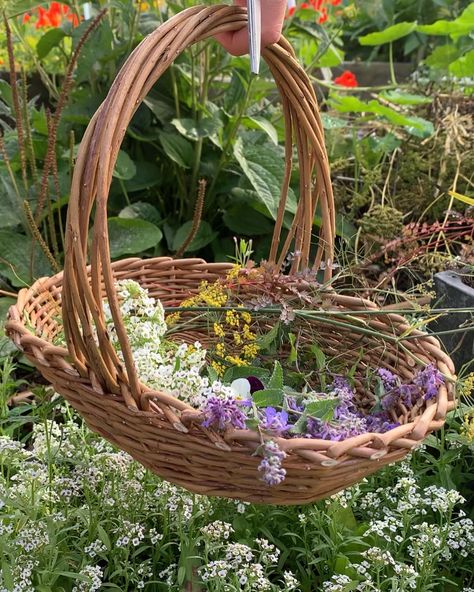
[230, 380]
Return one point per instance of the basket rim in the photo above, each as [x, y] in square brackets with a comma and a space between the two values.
[182, 417]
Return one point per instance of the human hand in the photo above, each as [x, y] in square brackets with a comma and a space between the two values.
[273, 14]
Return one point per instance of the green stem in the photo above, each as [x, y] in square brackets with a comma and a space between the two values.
[392, 69]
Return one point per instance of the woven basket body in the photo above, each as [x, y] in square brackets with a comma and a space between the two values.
[158, 430]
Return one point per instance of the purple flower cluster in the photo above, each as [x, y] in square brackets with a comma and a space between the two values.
[275, 421]
[429, 380]
[222, 413]
[270, 465]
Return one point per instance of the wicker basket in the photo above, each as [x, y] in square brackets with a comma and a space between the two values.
[158, 430]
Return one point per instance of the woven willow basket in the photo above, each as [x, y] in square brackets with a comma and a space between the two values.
[160, 431]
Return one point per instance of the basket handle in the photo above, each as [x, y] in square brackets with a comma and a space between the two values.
[84, 325]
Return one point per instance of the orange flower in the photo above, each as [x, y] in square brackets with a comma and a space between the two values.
[324, 16]
[347, 79]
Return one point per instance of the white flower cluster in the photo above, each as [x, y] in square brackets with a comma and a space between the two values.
[161, 364]
[93, 573]
[130, 532]
[95, 548]
[217, 530]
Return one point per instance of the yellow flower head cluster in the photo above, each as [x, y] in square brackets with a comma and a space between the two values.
[467, 428]
[236, 326]
[466, 387]
[209, 294]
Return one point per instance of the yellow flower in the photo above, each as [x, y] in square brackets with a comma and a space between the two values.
[231, 318]
[237, 338]
[172, 319]
[466, 387]
[246, 317]
[467, 428]
[250, 351]
[220, 350]
[234, 272]
[248, 335]
[218, 368]
[218, 330]
[236, 360]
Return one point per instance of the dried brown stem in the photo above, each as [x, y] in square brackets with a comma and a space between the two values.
[35, 231]
[16, 100]
[28, 135]
[63, 98]
[196, 218]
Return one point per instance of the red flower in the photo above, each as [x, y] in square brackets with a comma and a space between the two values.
[43, 20]
[26, 17]
[347, 79]
[336, 2]
[304, 5]
[324, 16]
[291, 10]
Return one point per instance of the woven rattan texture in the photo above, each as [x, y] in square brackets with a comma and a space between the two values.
[160, 431]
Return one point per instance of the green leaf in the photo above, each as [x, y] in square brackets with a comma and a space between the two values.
[142, 210]
[323, 409]
[331, 122]
[7, 347]
[276, 379]
[6, 92]
[266, 340]
[130, 236]
[420, 127]
[213, 376]
[268, 398]
[177, 148]
[124, 167]
[20, 6]
[263, 166]
[262, 123]
[15, 258]
[463, 25]
[194, 130]
[442, 56]
[7, 576]
[244, 371]
[48, 41]
[389, 34]
[10, 212]
[403, 98]
[104, 537]
[204, 236]
[147, 175]
[293, 357]
[246, 222]
[319, 356]
[463, 67]
[331, 58]
[300, 426]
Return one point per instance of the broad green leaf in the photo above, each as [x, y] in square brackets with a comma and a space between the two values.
[267, 339]
[142, 210]
[323, 409]
[177, 148]
[463, 25]
[276, 379]
[124, 167]
[48, 41]
[204, 236]
[403, 98]
[10, 209]
[262, 123]
[463, 67]
[420, 127]
[442, 56]
[6, 92]
[264, 168]
[331, 122]
[7, 576]
[147, 175]
[268, 398]
[245, 221]
[15, 258]
[193, 130]
[319, 356]
[331, 58]
[7, 347]
[389, 34]
[131, 236]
